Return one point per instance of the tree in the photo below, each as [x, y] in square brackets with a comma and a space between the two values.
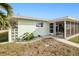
[4, 17]
[7, 8]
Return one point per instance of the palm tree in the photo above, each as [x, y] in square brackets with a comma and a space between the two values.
[4, 17]
[6, 7]
[4, 23]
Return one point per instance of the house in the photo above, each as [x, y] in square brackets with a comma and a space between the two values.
[64, 27]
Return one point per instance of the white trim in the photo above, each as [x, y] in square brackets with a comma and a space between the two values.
[70, 29]
[30, 18]
[65, 29]
[74, 28]
[54, 29]
[9, 35]
[66, 18]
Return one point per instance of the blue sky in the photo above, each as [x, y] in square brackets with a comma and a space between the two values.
[46, 10]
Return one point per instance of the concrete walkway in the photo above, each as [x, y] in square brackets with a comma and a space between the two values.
[66, 42]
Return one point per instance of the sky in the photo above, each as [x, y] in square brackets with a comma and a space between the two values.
[46, 10]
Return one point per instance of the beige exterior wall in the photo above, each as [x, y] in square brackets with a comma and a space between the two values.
[30, 26]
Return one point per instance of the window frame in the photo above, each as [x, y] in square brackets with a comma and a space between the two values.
[40, 24]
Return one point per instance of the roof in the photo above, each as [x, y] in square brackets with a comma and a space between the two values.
[30, 18]
[66, 18]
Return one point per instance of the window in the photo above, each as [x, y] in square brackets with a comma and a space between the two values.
[51, 27]
[51, 31]
[39, 25]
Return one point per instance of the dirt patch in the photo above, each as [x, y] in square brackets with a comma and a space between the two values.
[51, 47]
[45, 47]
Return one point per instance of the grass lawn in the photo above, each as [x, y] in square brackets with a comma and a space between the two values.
[45, 47]
[75, 39]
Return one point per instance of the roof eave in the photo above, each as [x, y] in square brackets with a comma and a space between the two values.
[29, 18]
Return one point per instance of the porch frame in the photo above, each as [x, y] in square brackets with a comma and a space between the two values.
[65, 28]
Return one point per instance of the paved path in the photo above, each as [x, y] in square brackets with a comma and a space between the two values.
[66, 42]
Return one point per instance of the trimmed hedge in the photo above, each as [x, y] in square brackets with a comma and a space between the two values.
[4, 37]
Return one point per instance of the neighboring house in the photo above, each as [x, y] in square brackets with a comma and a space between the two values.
[65, 27]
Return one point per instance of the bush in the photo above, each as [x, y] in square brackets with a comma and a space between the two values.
[28, 36]
[4, 37]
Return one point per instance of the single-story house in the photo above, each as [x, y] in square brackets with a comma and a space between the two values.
[64, 27]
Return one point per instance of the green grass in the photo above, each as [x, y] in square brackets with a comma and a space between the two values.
[75, 39]
[13, 49]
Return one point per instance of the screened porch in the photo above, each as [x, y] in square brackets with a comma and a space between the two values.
[64, 28]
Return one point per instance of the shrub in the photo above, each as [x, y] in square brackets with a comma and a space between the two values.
[4, 37]
[28, 36]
